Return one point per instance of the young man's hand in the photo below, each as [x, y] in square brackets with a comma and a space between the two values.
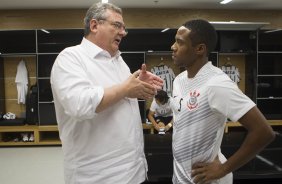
[205, 173]
[168, 127]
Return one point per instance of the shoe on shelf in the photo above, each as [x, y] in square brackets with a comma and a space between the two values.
[9, 115]
[16, 139]
[31, 137]
[24, 137]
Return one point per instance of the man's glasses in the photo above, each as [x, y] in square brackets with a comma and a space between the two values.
[117, 25]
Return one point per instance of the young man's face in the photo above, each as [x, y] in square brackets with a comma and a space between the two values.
[183, 53]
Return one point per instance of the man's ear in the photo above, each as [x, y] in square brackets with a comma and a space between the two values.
[93, 25]
[201, 48]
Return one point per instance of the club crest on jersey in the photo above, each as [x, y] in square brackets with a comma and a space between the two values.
[192, 102]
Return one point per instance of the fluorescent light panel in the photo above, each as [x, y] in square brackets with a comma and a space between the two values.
[45, 31]
[271, 31]
[164, 30]
[225, 1]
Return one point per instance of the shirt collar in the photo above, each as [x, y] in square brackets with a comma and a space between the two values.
[94, 50]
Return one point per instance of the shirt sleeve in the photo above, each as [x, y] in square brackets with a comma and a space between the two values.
[72, 88]
[226, 98]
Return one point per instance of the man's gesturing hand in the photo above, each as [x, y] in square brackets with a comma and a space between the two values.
[150, 78]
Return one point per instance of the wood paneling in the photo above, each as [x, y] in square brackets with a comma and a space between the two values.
[134, 18]
[11, 87]
[160, 18]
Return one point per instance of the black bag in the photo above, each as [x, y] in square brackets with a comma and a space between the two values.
[32, 106]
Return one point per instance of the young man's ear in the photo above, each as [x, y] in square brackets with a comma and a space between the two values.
[201, 48]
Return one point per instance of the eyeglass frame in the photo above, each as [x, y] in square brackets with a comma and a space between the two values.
[117, 25]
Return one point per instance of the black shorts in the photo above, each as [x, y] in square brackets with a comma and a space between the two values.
[165, 120]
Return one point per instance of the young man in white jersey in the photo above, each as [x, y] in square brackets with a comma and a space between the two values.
[160, 113]
[204, 97]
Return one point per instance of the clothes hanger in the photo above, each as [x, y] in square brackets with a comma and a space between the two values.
[228, 63]
[161, 64]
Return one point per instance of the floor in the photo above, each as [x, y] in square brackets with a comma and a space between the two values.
[31, 165]
[259, 181]
[44, 165]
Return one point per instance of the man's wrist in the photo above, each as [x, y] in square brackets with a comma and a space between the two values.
[169, 125]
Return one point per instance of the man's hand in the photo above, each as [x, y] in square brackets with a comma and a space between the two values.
[150, 78]
[205, 173]
[135, 88]
[132, 87]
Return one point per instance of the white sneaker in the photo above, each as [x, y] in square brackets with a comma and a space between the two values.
[24, 137]
[162, 131]
[31, 138]
[9, 115]
[16, 139]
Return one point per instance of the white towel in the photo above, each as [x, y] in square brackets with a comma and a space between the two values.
[22, 82]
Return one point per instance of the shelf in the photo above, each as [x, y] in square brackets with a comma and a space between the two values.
[49, 135]
[48, 128]
[10, 143]
[43, 135]
[237, 124]
[18, 55]
[50, 143]
[25, 128]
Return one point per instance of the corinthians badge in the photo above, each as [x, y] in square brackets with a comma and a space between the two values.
[192, 102]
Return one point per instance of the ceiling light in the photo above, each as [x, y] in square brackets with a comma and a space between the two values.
[105, 1]
[274, 30]
[164, 30]
[238, 25]
[45, 31]
[225, 1]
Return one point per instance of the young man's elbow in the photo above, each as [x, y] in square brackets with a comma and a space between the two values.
[269, 135]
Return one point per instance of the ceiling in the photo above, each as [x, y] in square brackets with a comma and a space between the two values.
[189, 4]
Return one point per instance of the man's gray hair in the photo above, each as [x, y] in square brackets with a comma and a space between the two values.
[98, 12]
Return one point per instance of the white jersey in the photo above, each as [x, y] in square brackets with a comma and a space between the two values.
[232, 71]
[167, 74]
[201, 106]
[163, 110]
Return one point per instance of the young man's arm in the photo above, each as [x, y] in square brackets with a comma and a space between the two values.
[259, 135]
[152, 119]
[169, 125]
